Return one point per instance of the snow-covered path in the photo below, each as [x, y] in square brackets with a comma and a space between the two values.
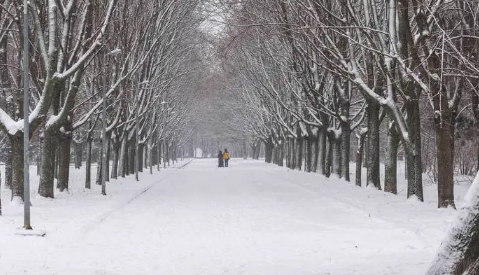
[251, 218]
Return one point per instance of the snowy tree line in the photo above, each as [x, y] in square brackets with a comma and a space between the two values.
[116, 71]
[316, 76]
[309, 78]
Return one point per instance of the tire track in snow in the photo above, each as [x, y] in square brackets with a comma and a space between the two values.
[102, 218]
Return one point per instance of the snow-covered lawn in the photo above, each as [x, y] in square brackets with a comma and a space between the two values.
[250, 218]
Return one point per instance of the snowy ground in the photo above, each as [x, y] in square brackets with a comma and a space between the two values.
[251, 218]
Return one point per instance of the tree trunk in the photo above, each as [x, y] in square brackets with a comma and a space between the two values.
[414, 162]
[459, 252]
[322, 151]
[8, 165]
[299, 152]
[373, 146]
[337, 156]
[158, 161]
[314, 149]
[63, 162]
[345, 148]
[99, 164]
[131, 157]
[390, 176]
[123, 157]
[116, 152]
[329, 156]
[140, 153]
[88, 162]
[359, 158]
[445, 161]
[269, 146]
[78, 154]
[108, 154]
[245, 150]
[293, 155]
[309, 155]
[280, 150]
[17, 166]
[47, 172]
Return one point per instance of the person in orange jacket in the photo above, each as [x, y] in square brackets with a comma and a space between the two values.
[226, 157]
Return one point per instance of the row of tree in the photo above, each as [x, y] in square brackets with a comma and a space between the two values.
[118, 70]
[309, 77]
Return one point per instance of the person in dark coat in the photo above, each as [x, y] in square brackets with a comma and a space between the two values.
[220, 159]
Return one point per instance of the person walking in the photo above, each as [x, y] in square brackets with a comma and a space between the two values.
[220, 159]
[226, 157]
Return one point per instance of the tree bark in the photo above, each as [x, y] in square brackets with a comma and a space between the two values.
[63, 162]
[78, 154]
[390, 176]
[337, 156]
[299, 151]
[329, 156]
[47, 172]
[88, 162]
[131, 157]
[309, 155]
[108, 154]
[314, 149]
[99, 164]
[269, 146]
[17, 165]
[116, 152]
[359, 157]
[8, 165]
[445, 161]
[345, 148]
[459, 252]
[373, 146]
[414, 162]
[322, 152]
[140, 156]
[123, 157]
[280, 150]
